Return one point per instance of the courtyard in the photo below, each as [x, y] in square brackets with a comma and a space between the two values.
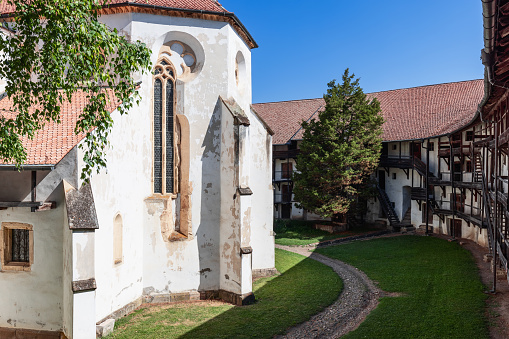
[428, 287]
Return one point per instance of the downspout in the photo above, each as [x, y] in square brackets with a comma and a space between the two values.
[488, 57]
[487, 54]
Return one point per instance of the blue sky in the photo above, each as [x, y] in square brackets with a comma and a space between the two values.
[389, 44]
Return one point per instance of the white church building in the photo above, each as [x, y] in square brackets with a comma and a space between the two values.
[183, 210]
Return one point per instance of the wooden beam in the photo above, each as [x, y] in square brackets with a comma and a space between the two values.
[20, 203]
[38, 205]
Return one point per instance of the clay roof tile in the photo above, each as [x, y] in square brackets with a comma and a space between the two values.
[54, 141]
[410, 113]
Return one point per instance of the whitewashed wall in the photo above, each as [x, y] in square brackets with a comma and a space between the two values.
[150, 264]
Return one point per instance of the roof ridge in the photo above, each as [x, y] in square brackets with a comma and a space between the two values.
[389, 90]
[277, 102]
[422, 86]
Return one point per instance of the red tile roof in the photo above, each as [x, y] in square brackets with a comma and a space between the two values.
[54, 141]
[410, 113]
[202, 9]
[201, 5]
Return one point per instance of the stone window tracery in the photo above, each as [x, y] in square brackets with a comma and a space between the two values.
[171, 141]
[164, 127]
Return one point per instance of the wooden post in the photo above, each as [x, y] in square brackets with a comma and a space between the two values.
[427, 187]
[33, 193]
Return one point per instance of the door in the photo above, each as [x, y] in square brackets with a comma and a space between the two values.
[287, 193]
[385, 149]
[416, 150]
[381, 179]
[286, 170]
[455, 228]
[286, 211]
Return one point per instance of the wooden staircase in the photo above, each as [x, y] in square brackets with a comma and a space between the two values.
[387, 207]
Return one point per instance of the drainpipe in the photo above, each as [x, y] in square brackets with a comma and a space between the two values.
[453, 189]
[495, 212]
[487, 54]
[427, 187]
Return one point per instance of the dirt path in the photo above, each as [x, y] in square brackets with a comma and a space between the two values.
[359, 297]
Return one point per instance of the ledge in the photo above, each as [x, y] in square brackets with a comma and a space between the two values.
[38, 205]
[245, 191]
[84, 285]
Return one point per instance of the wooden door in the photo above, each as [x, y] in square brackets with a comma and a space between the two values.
[416, 150]
[381, 179]
[455, 228]
[286, 170]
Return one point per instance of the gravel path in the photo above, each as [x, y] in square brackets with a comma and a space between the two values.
[359, 297]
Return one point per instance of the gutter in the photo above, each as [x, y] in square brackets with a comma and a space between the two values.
[27, 168]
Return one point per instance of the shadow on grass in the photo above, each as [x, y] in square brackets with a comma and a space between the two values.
[304, 288]
[300, 232]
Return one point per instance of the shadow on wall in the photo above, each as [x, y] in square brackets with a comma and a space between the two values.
[208, 233]
[407, 201]
[16, 186]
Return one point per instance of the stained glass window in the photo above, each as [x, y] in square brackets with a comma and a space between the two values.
[169, 137]
[158, 136]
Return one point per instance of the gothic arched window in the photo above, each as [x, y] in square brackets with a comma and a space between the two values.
[164, 127]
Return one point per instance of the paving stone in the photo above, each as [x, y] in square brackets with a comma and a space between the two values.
[105, 328]
[359, 297]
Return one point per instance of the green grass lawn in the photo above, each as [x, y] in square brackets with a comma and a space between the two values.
[298, 233]
[442, 292]
[304, 288]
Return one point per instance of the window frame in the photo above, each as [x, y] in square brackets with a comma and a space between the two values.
[6, 247]
[164, 78]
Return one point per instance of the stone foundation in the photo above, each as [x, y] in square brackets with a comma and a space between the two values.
[229, 297]
[336, 228]
[264, 272]
[16, 333]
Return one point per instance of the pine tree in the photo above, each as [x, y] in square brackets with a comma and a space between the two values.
[339, 151]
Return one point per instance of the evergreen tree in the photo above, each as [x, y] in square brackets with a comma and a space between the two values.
[339, 151]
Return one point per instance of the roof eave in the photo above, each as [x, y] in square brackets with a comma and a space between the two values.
[10, 167]
[250, 40]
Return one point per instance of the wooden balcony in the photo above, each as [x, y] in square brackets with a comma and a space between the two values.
[288, 154]
[418, 193]
[404, 162]
[456, 151]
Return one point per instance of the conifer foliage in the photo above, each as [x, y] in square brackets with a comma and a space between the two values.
[339, 150]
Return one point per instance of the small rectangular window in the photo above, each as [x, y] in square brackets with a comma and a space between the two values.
[431, 146]
[16, 246]
[393, 175]
[469, 136]
[394, 147]
[19, 246]
[468, 166]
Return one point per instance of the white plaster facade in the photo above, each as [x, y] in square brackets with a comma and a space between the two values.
[230, 189]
